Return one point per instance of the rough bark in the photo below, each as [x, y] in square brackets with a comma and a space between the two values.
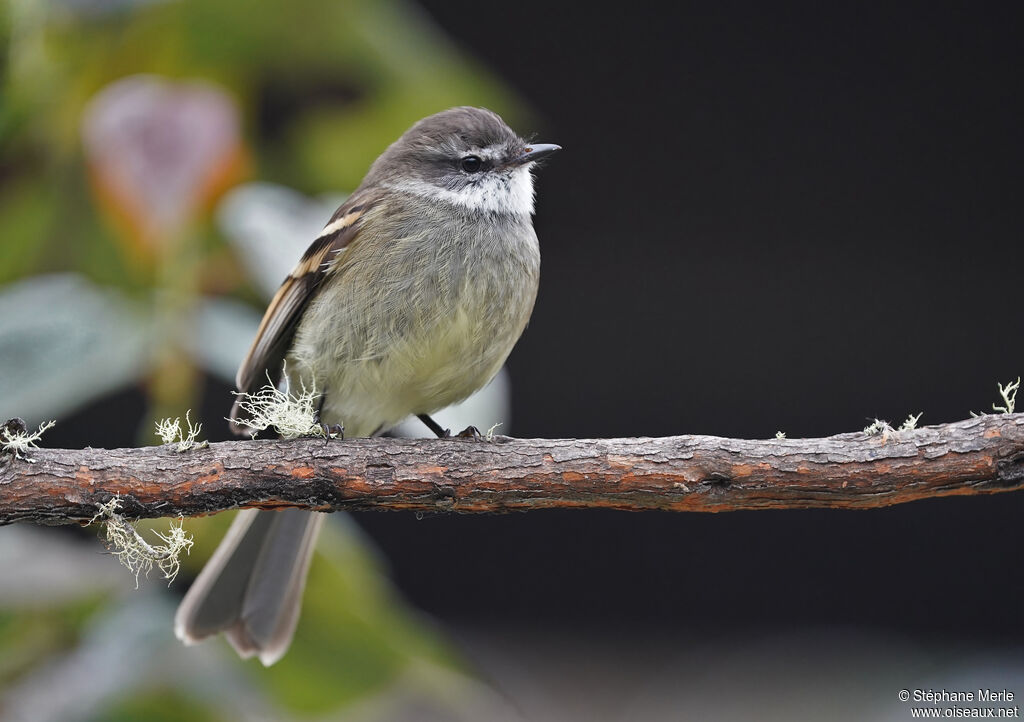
[678, 473]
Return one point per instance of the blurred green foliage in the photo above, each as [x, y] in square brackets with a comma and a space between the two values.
[321, 88]
[32, 636]
[157, 705]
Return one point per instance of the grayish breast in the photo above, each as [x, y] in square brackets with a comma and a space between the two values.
[428, 303]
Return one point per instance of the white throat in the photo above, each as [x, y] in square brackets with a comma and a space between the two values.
[509, 194]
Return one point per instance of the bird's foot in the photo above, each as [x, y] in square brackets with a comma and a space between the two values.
[470, 432]
[333, 431]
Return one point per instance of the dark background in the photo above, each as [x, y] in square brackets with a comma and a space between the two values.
[765, 218]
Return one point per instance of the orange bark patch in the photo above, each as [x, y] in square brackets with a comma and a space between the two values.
[84, 476]
[358, 486]
[622, 462]
[303, 472]
[741, 470]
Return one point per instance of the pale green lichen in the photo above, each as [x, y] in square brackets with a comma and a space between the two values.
[138, 556]
[780, 434]
[911, 423]
[489, 436]
[16, 439]
[879, 426]
[290, 416]
[1009, 394]
[170, 432]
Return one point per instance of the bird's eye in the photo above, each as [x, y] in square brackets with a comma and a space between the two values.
[472, 164]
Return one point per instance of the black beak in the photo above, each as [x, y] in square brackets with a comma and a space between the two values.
[534, 152]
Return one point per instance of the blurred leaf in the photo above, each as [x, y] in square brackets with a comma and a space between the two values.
[54, 569]
[160, 150]
[157, 705]
[63, 342]
[221, 334]
[31, 634]
[122, 648]
[24, 211]
[271, 226]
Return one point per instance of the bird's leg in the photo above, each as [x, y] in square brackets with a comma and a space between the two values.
[331, 431]
[434, 426]
[470, 432]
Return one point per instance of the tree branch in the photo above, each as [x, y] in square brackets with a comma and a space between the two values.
[678, 473]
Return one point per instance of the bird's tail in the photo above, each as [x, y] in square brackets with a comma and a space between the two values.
[251, 589]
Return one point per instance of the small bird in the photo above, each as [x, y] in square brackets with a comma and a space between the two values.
[409, 300]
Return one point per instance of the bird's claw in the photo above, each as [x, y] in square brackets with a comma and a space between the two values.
[333, 431]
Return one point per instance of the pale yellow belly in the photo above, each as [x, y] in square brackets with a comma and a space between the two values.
[420, 373]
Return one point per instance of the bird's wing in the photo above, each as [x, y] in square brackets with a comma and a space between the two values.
[276, 330]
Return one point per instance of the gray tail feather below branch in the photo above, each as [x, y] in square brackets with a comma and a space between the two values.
[251, 589]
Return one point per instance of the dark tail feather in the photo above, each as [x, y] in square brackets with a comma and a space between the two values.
[251, 589]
